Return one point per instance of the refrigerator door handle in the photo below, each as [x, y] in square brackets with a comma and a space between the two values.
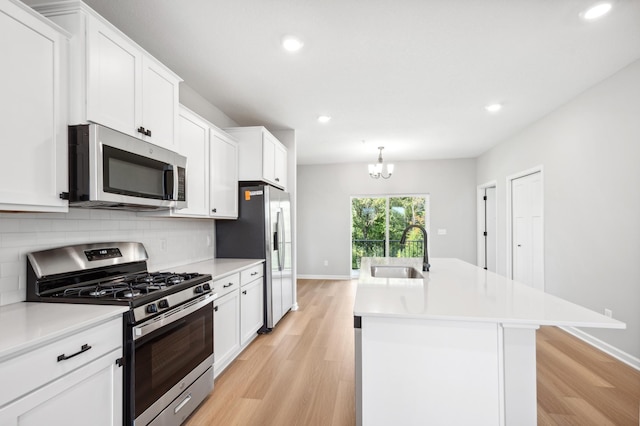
[279, 230]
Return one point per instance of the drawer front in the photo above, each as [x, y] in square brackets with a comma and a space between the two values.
[252, 273]
[224, 285]
[40, 366]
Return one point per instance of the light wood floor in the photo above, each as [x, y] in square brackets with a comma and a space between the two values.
[303, 373]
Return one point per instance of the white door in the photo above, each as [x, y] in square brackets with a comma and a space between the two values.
[527, 230]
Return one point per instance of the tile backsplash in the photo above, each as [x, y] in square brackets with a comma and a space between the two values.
[169, 241]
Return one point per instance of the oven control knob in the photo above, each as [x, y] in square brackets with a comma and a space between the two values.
[198, 289]
[206, 286]
[163, 304]
[152, 308]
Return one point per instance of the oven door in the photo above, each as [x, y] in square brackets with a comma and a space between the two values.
[170, 352]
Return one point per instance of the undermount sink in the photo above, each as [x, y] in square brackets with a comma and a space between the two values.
[382, 271]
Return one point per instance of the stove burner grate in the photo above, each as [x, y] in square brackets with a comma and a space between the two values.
[128, 287]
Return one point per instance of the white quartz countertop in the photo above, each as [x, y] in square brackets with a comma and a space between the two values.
[27, 325]
[457, 290]
[218, 268]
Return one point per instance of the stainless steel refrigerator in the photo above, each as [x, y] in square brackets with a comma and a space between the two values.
[262, 230]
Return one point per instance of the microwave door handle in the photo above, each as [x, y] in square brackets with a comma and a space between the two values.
[169, 183]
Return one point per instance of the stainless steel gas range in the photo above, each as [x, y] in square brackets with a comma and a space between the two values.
[168, 330]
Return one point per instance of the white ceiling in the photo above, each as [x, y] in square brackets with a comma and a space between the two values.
[412, 75]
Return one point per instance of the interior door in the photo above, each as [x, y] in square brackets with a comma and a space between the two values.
[527, 230]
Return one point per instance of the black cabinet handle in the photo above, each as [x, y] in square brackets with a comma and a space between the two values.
[277, 179]
[144, 131]
[254, 273]
[214, 210]
[83, 348]
[215, 308]
[227, 285]
[244, 292]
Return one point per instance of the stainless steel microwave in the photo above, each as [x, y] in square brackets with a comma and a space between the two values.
[112, 170]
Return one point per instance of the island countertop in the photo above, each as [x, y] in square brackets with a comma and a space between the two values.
[459, 291]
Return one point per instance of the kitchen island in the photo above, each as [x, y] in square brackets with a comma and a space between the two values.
[455, 345]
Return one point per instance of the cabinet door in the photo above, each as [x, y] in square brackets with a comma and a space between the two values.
[226, 330]
[32, 112]
[91, 395]
[223, 200]
[251, 310]
[268, 158]
[280, 165]
[114, 79]
[194, 144]
[159, 104]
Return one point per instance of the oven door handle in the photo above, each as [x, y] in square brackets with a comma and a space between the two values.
[169, 317]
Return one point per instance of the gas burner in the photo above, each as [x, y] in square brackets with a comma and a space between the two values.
[149, 278]
[97, 292]
[174, 279]
[129, 293]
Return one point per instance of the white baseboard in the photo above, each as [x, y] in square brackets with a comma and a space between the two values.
[325, 277]
[604, 347]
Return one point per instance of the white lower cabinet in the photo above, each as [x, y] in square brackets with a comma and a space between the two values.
[226, 330]
[238, 314]
[74, 381]
[91, 395]
[251, 310]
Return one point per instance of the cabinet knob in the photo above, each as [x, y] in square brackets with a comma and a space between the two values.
[215, 308]
[148, 132]
[244, 292]
[277, 179]
[142, 130]
[214, 210]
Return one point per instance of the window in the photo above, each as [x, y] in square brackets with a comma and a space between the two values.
[377, 224]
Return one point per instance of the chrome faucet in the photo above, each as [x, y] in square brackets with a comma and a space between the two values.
[403, 240]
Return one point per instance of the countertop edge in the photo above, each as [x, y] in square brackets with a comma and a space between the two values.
[87, 320]
[217, 267]
[616, 324]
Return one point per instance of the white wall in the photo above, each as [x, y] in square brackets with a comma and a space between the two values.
[169, 241]
[324, 209]
[590, 151]
[196, 103]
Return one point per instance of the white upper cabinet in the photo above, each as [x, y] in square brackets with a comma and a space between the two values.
[160, 106]
[33, 111]
[212, 169]
[193, 134]
[262, 157]
[114, 81]
[223, 172]
[113, 78]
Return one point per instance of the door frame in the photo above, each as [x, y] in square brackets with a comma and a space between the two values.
[481, 220]
[509, 207]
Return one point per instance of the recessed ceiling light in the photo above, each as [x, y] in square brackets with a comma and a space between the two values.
[493, 107]
[292, 44]
[324, 118]
[596, 11]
